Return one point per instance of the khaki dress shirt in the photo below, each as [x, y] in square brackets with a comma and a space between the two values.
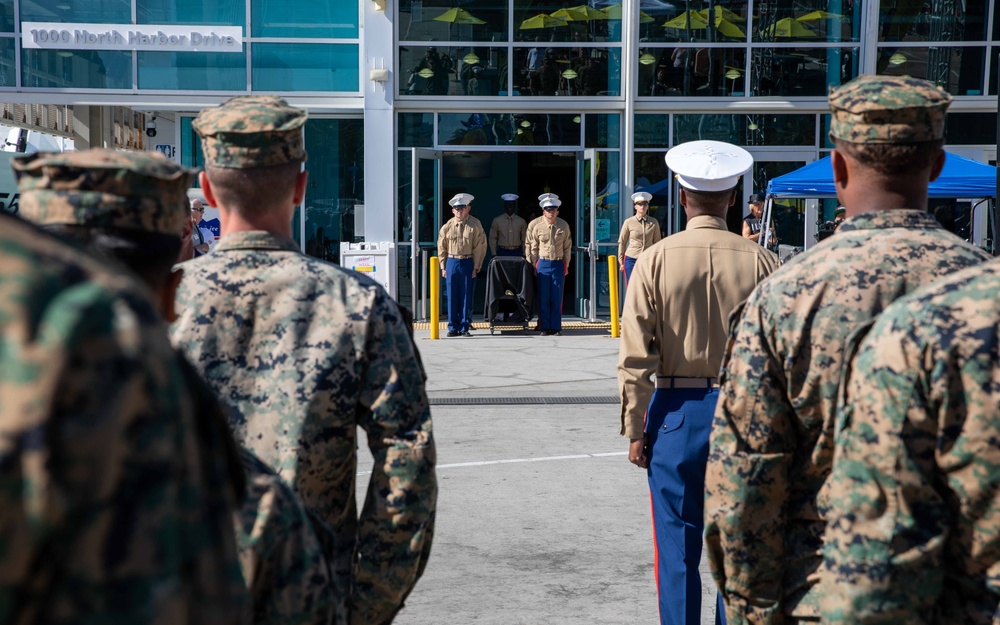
[462, 239]
[551, 242]
[637, 235]
[507, 231]
[677, 306]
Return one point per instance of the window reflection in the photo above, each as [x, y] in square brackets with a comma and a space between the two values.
[509, 129]
[685, 71]
[305, 67]
[595, 21]
[458, 71]
[602, 130]
[800, 71]
[84, 69]
[919, 21]
[790, 21]
[957, 70]
[225, 12]
[7, 16]
[560, 71]
[416, 130]
[77, 11]
[746, 129]
[446, 20]
[8, 73]
[194, 71]
[304, 18]
[331, 198]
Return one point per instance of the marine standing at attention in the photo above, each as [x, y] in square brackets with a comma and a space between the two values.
[548, 249]
[305, 352]
[461, 251]
[674, 328]
[507, 231]
[118, 499]
[639, 232]
[283, 563]
[917, 427]
[772, 439]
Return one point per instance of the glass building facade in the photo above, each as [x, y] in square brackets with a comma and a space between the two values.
[581, 98]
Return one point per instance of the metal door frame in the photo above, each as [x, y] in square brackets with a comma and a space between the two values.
[418, 155]
[582, 156]
[783, 155]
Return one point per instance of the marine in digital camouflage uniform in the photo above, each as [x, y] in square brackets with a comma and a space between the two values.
[772, 441]
[305, 352]
[913, 528]
[117, 501]
[137, 199]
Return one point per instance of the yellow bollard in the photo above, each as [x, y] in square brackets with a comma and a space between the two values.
[435, 277]
[613, 287]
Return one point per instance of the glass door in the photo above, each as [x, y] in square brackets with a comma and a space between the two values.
[424, 224]
[585, 251]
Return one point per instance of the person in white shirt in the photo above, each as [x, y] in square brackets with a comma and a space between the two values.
[201, 238]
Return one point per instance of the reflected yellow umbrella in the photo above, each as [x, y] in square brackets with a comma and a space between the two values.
[789, 27]
[700, 22]
[582, 13]
[687, 19]
[614, 12]
[819, 15]
[722, 13]
[458, 16]
[542, 21]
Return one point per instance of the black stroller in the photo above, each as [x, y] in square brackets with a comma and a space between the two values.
[510, 291]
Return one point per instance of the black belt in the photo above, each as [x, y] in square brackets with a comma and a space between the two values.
[504, 247]
[671, 381]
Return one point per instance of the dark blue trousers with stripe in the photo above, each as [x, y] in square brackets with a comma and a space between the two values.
[678, 424]
[628, 262]
[461, 287]
[551, 277]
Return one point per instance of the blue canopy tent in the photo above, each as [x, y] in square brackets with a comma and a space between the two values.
[961, 177]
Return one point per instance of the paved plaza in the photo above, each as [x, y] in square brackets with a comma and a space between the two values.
[541, 519]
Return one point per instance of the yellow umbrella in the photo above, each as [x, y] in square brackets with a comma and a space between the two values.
[582, 13]
[614, 12]
[458, 16]
[819, 15]
[697, 22]
[789, 27]
[700, 22]
[723, 13]
[542, 21]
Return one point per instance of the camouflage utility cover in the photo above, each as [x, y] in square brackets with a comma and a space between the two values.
[104, 188]
[251, 131]
[888, 109]
[306, 352]
[772, 438]
[913, 532]
[115, 501]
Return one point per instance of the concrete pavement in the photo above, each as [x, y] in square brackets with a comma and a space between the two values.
[541, 519]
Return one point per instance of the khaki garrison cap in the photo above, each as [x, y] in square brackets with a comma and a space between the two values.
[247, 132]
[888, 109]
[104, 188]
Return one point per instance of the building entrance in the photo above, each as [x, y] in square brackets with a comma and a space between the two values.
[487, 176]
